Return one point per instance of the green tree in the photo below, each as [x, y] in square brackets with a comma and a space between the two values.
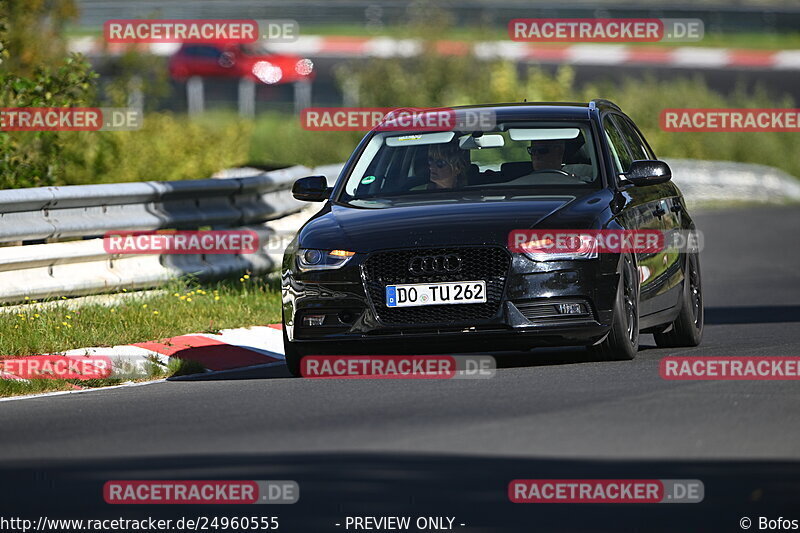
[35, 75]
[33, 33]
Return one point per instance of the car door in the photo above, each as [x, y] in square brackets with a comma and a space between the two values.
[669, 211]
[640, 213]
[205, 60]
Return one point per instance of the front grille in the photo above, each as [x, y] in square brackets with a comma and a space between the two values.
[477, 263]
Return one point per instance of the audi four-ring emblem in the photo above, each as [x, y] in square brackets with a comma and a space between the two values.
[433, 264]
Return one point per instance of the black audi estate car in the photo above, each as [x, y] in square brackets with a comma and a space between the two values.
[410, 253]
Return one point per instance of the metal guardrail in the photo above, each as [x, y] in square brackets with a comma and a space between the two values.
[84, 213]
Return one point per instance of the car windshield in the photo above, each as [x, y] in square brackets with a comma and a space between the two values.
[528, 159]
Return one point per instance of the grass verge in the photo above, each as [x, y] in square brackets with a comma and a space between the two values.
[186, 307]
[157, 370]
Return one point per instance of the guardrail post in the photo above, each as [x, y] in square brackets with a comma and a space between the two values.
[194, 95]
[135, 94]
[247, 98]
[350, 92]
[302, 95]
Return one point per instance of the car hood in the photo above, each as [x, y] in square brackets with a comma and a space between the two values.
[443, 224]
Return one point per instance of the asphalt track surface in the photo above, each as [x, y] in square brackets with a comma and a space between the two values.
[450, 447]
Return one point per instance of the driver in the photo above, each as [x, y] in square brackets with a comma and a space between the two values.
[549, 155]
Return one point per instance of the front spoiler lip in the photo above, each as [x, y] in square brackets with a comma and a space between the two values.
[579, 329]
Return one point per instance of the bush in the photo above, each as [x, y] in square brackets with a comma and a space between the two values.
[168, 147]
[278, 140]
[432, 81]
[35, 159]
[644, 99]
[37, 75]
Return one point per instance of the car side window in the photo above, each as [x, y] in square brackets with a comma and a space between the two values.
[637, 145]
[621, 155]
[203, 51]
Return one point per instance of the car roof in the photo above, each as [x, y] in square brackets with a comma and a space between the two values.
[544, 110]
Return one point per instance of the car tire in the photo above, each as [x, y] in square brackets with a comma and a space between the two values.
[687, 329]
[293, 355]
[622, 342]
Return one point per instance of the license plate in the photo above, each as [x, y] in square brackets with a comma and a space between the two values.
[451, 292]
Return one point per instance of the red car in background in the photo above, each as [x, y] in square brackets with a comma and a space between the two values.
[238, 61]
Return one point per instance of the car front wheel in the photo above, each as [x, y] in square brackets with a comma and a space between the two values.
[622, 342]
[293, 355]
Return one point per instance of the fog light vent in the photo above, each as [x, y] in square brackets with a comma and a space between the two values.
[549, 311]
[313, 320]
[570, 309]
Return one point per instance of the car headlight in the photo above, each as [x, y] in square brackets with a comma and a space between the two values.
[304, 67]
[557, 249]
[309, 259]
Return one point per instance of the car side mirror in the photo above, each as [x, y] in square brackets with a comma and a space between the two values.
[645, 172]
[311, 189]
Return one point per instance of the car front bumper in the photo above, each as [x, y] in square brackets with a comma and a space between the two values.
[524, 317]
